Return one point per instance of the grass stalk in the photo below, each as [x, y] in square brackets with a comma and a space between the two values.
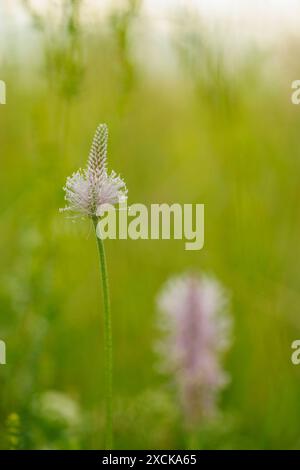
[108, 347]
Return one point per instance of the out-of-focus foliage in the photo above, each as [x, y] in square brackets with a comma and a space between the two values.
[218, 133]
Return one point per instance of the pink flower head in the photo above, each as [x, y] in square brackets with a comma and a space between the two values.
[196, 325]
[86, 191]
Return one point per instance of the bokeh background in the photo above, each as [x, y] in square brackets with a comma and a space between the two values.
[197, 99]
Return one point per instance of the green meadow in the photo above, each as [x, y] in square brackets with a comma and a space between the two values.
[202, 128]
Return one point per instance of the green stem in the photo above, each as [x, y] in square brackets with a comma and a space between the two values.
[107, 342]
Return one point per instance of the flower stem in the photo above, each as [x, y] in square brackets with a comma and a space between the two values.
[107, 342]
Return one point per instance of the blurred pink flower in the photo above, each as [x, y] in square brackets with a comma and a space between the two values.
[197, 333]
[87, 190]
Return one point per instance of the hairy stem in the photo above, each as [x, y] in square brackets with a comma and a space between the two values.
[107, 342]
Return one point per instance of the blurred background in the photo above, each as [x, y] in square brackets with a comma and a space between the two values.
[197, 97]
